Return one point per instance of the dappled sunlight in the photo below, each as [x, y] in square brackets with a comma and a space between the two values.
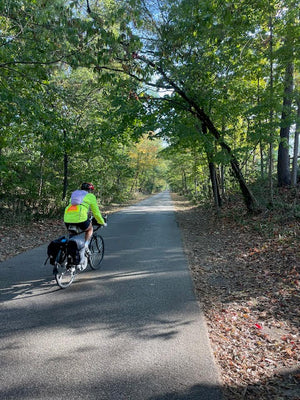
[146, 321]
[135, 319]
[251, 281]
[97, 384]
[21, 290]
[144, 209]
[137, 275]
[164, 205]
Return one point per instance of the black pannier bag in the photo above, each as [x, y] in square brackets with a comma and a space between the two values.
[54, 247]
[75, 250]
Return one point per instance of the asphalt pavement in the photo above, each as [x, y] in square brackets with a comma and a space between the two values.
[130, 331]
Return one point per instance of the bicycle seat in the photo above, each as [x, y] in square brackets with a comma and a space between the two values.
[74, 229]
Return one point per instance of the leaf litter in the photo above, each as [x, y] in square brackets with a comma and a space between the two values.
[248, 287]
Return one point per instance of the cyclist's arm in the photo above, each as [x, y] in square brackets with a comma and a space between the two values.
[95, 209]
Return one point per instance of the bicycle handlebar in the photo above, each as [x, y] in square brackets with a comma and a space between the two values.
[96, 224]
[76, 230]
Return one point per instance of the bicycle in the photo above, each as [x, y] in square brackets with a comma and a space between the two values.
[64, 270]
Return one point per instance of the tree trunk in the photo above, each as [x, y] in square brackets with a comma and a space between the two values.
[222, 168]
[134, 183]
[215, 186]
[271, 113]
[40, 190]
[184, 183]
[261, 151]
[283, 165]
[213, 175]
[296, 147]
[204, 119]
[249, 199]
[66, 162]
[222, 179]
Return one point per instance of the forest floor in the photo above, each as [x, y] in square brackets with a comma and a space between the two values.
[246, 277]
[246, 274]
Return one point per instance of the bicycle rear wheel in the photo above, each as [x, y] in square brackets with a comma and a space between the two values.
[97, 251]
[64, 276]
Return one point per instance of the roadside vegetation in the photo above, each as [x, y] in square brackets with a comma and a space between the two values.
[247, 279]
[197, 96]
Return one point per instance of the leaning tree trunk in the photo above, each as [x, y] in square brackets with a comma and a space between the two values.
[283, 165]
[213, 175]
[204, 119]
[249, 198]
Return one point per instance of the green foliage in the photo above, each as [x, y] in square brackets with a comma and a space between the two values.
[52, 111]
[86, 86]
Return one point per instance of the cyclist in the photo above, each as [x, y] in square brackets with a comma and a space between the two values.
[76, 213]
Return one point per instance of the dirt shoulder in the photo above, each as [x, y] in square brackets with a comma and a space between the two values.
[19, 237]
[248, 286]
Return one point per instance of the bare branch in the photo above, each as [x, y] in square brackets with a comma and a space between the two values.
[99, 68]
[88, 7]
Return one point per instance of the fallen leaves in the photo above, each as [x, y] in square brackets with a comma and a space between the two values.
[18, 238]
[250, 295]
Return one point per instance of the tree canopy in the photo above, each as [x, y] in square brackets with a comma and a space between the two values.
[136, 95]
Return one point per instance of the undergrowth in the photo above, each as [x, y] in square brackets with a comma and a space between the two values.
[279, 217]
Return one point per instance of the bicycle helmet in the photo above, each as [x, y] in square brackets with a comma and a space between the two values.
[87, 186]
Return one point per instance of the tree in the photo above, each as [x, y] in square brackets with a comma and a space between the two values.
[59, 123]
[296, 145]
[145, 162]
[287, 59]
[283, 165]
[172, 59]
[83, 81]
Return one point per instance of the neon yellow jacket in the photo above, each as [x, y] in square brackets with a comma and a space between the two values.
[80, 203]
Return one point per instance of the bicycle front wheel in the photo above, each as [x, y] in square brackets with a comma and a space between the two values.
[64, 276]
[97, 251]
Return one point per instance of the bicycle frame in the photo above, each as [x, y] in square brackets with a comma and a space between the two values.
[64, 271]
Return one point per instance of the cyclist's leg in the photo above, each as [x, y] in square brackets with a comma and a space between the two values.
[88, 233]
[87, 227]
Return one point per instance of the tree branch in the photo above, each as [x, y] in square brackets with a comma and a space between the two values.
[199, 112]
[99, 68]
[88, 7]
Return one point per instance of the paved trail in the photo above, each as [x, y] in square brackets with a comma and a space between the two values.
[131, 331]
